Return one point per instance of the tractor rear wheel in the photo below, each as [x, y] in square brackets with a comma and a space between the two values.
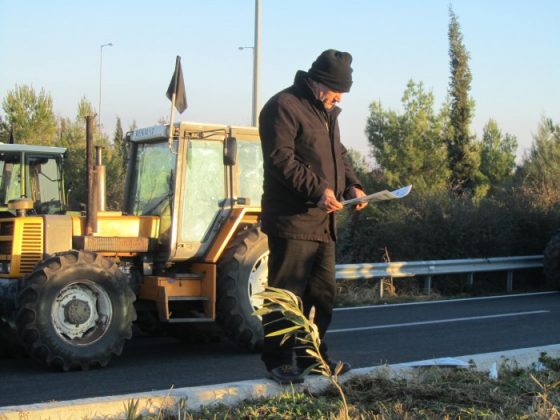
[9, 343]
[551, 262]
[75, 311]
[243, 272]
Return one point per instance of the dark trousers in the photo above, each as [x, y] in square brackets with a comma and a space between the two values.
[306, 268]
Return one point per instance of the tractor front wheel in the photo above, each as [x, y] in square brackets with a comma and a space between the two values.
[75, 311]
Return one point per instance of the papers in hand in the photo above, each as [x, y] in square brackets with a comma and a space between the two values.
[379, 196]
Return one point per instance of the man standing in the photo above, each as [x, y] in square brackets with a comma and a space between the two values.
[306, 173]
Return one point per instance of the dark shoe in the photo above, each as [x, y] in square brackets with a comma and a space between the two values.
[346, 367]
[285, 375]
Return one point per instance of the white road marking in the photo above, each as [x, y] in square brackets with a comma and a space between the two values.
[380, 306]
[440, 321]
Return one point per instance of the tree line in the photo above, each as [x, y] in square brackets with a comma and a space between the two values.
[470, 199]
[436, 150]
[469, 190]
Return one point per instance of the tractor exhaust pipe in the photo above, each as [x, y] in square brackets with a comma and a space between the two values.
[100, 178]
[91, 208]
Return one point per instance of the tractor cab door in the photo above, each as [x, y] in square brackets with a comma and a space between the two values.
[203, 189]
[213, 182]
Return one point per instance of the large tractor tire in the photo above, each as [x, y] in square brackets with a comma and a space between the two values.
[243, 272]
[552, 262]
[75, 311]
[9, 343]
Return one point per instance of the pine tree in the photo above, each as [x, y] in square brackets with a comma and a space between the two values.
[4, 131]
[541, 166]
[119, 144]
[116, 168]
[497, 160]
[72, 135]
[30, 116]
[463, 154]
[409, 147]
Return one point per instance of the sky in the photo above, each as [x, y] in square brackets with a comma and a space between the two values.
[55, 45]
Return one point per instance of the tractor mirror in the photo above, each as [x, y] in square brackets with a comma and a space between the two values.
[230, 151]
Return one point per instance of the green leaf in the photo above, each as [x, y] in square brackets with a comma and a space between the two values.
[313, 353]
[283, 331]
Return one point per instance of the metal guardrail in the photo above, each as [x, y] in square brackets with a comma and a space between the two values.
[439, 267]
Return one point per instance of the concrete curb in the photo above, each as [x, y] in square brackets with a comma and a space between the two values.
[174, 400]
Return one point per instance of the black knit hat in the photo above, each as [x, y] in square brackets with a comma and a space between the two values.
[332, 68]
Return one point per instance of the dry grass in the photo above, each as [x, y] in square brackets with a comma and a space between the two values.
[366, 292]
[433, 393]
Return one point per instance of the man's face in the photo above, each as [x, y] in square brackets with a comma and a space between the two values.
[329, 97]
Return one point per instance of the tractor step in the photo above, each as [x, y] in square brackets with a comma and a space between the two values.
[184, 320]
[189, 276]
[188, 309]
[187, 298]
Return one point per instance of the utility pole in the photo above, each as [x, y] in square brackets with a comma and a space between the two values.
[110, 44]
[256, 60]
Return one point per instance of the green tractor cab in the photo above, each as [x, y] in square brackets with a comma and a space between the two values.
[31, 179]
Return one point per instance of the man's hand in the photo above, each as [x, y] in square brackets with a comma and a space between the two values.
[357, 193]
[328, 202]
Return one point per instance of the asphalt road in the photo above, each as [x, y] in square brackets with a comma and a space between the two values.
[365, 336]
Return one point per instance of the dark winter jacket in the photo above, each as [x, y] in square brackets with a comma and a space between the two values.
[302, 157]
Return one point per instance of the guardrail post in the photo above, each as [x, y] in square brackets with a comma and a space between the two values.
[428, 285]
[509, 287]
[470, 280]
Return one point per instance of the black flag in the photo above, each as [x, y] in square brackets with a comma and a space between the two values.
[177, 87]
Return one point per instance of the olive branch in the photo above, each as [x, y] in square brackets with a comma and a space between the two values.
[304, 331]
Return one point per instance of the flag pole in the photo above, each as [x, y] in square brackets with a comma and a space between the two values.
[171, 130]
[173, 98]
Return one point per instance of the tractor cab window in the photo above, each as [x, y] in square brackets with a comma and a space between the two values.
[45, 184]
[154, 179]
[10, 183]
[250, 170]
[204, 188]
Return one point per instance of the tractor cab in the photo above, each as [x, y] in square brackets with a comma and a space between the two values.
[31, 179]
[194, 183]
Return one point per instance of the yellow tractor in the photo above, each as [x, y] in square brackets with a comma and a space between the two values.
[186, 250]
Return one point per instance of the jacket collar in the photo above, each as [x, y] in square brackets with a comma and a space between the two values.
[301, 83]
[303, 87]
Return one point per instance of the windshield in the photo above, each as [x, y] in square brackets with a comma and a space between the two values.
[154, 179]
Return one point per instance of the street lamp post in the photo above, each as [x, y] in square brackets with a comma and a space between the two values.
[109, 44]
[256, 59]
